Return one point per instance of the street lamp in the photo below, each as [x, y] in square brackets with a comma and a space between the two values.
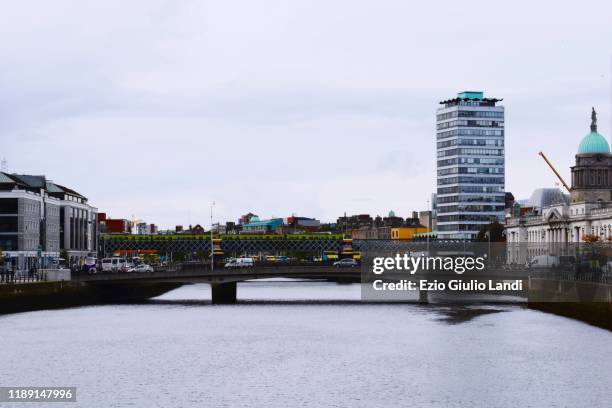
[212, 248]
[430, 222]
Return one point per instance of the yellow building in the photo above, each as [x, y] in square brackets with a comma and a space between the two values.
[407, 232]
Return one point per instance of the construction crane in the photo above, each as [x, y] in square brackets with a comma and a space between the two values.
[556, 172]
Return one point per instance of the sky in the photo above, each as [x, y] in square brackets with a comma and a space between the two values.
[155, 109]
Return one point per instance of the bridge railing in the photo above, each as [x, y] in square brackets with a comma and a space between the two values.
[11, 277]
[595, 275]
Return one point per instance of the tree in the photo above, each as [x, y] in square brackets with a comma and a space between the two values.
[495, 230]
[590, 238]
[151, 259]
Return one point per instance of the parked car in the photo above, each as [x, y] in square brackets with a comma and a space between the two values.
[142, 268]
[346, 263]
[240, 263]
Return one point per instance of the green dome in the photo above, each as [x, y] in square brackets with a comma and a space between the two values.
[593, 143]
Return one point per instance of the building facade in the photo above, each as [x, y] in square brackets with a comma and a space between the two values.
[39, 219]
[408, 233]
[470, 165]
[586, 215]
[257, 226]
[382, 232]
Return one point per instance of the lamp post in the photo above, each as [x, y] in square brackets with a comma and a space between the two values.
[492, 220]
[212, 249]
[488, 234]
[430, 226]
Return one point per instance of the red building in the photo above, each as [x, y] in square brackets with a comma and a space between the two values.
[113, 225]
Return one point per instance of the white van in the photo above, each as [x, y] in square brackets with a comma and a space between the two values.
[114, 265]
[240, 263]
[107, 265]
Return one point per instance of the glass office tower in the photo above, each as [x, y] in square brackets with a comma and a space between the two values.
[470, 165]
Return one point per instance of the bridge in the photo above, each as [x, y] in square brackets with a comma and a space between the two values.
[168, 243]
[223, 281]
[234, 244]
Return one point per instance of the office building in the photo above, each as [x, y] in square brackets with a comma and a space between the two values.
[470, 165]
[39, 219]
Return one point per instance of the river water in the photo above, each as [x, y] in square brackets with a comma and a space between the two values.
[290, 344]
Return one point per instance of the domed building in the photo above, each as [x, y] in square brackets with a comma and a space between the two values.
[589, 210]
[592, 174]
[545, 197]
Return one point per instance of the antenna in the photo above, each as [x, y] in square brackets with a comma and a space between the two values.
[4, 165]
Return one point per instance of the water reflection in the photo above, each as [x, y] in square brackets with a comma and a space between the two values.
[457, 314]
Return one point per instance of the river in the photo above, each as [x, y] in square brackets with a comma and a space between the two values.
[294, 344]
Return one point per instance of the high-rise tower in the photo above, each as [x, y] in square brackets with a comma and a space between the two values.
[470, 164]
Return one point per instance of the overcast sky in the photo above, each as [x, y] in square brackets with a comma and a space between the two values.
[316, 108]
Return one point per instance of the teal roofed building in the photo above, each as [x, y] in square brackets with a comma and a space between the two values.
[592, 174]
[593, 142]
[257, 226]
[586, 216]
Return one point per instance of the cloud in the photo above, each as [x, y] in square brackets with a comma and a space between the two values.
[155, 108]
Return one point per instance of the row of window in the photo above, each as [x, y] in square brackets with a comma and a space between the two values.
[75, 199]
[10, 224]
[470, 114]
[11, 206]
[52, 228]
[470, 123]
[471, 180]
[470, 102]
[53, 211]
[471, 151]
[78, 213]
[467, 217]
[31, 226]
[471, 142]
[470, 132]
[30, 245]
[470, 208]
[471, 160]
[471, 170]
[471, 189]
[460, 227]
[31, 207]
[472, 198]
